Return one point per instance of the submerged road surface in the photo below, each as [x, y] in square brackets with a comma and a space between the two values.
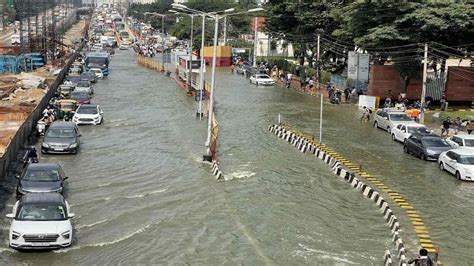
[142, 195]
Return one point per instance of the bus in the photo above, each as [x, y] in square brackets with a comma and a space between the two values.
[98, 60]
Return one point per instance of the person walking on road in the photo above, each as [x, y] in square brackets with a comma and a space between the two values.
[423, 259]
[347, 92]
[446, 125]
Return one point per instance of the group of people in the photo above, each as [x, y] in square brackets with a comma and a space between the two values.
[448, 124]
[147, 50]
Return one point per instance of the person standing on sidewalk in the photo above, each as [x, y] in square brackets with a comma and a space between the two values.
[347, 92]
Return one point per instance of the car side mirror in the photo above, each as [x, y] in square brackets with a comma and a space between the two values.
[71, 215]
[17, 176]
[10, 215]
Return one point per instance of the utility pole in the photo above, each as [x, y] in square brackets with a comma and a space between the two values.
[317, 63]
[423, 91]
[255, 42]
[268, 48]
[162, 42]
[225, 30]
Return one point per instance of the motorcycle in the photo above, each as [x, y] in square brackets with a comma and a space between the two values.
[31, 156]
[41, 127]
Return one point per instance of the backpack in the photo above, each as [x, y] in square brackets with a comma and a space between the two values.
[425, 262]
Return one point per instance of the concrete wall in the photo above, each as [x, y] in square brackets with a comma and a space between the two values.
[28, 126]
[460, 84]
[385, 78]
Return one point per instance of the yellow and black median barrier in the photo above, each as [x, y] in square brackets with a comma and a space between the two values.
[350, 173]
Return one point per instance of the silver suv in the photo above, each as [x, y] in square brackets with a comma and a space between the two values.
[388, 119]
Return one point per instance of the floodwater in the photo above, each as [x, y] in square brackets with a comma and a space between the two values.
[141, 193]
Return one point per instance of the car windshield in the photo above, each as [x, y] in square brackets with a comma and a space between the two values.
[263, 76]
[79, 95]
[466, 159]
[88, 110]
[399, 117]
[42, 213]
[469, 142]
[421, 130]
[41, 175]
[82, 84]
[60, 133]
[67, 105]
[435, 142]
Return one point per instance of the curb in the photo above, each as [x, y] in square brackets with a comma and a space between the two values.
[215, 170]
[304, 144]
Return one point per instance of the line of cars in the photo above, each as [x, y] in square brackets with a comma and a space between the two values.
[41, 216]
[454, 154]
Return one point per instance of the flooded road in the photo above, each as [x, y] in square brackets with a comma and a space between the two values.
[142, 195]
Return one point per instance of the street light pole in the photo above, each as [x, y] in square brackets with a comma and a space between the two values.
[255, 43]
[211, 96]
[190, 81]
[163, 43]
[201, 69]
[423, 91]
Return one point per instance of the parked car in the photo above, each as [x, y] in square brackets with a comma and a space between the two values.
[387, 119]
[402, 132]
[61, 137]
[75, 70]
[81, 97]
[427, 147]
[461, 141]
[89, 76]
[459, 162]
[261, 79]
[90, 114]
[41, 221]
[41, 177]
[84, 85]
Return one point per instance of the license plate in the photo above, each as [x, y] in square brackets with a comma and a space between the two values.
[40, 244]
[59, 149]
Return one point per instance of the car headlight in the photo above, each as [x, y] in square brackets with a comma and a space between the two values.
[66, 235]
[58, 190]
[44, 145]
[72, 146]
[431, 152]
[15, 235]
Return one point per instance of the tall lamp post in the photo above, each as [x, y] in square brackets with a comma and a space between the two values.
[216, 17]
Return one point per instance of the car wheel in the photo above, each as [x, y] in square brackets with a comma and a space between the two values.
[423, 156]
[74, 151]
[458, 175]
[376, 125]
[405, 148]
[441, 166]
[393, 137]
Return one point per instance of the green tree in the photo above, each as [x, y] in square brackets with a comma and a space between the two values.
[373, 25]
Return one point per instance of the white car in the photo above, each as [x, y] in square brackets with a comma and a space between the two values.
[88, 114]
[461, 141]
[41, 221]
[15, 39]
[123, 46]
[97, 71]
[261, 79]
[402, 132]
[459, 162]
[388, 119]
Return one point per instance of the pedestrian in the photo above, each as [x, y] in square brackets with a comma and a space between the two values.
[457, 125]
[365, 114]
[422, 259]
[311, 84]
[232, 68]
[445, 127]
[347, 92]
[443, 102]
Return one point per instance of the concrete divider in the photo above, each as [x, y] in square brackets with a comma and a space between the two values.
[215, 170]
[304, 144]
